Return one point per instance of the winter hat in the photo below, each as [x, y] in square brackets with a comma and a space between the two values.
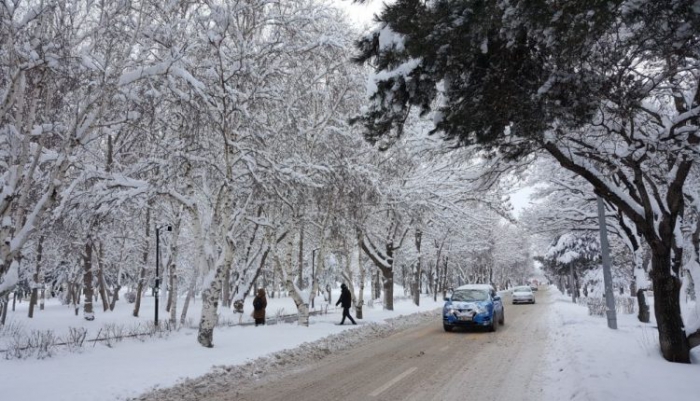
[343, 285]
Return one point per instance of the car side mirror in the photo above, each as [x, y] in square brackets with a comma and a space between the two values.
[447, 299]
[497, 298]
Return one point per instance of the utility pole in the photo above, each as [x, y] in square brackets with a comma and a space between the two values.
[607, 277]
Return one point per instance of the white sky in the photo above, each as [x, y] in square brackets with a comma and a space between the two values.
[520, 199]
[361, 14]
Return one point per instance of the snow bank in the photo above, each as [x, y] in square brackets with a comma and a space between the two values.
[279, 363]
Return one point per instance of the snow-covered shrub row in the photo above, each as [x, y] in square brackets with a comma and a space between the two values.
[39, 343]
[42, 344]
[223, 378]
[597, 307]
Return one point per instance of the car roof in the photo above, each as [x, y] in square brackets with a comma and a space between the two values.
[485, 287]
[525, 287]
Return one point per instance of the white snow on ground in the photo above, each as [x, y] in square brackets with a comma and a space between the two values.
[131, 367]
[585, 360]
[222, 378]
[588, 361]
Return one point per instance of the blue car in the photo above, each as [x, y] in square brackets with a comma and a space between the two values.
[473, 305]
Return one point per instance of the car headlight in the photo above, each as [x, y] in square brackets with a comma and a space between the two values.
[449, 310]
[481, 310]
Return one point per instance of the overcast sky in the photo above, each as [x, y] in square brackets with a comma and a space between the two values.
[362, 13]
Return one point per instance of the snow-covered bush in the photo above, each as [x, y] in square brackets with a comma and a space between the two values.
[597, 306]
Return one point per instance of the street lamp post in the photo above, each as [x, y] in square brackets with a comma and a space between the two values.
[157, 286]
[607, 276]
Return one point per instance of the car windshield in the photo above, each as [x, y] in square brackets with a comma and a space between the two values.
[522, 289]
[470, 295]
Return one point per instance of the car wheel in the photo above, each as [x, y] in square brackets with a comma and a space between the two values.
[502, 320]
[447, 328]
[494, 325]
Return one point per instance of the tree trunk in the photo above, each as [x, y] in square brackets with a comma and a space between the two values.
[163, 282]
[388, 285]
[287, 279]
[73, 297]
[172, 268]
[385, 263]
[144, 262]
[638, 274]
[300, 280]
[377, 285]
[36, 277]
[347, 275]
[4, 302]
[211, 296]
[360, 296]
[226, 290]
[241, 294]
[243, 285]
[436, 281]
[404, 274]
[188, 298]
[117, 288]
[444, 277]
[42, 297]
[301, 303]
[172, 296]
[115, 297]
[572, 283]
[672, 338]
[210, 304]
[437, 266]
[373, 283]
[274, 282]
[643, 315]
[430, 279]
[101, 279]
[87, 283]
[140, 287]
[415, 281]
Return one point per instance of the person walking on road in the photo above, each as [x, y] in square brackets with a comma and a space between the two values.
[259, 305]
[346, 301]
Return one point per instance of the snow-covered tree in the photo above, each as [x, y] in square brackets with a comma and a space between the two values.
[566, 203]
[570, 255]
[58, 99]
[609, 89]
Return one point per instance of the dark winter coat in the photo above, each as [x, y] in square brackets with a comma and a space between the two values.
[260, 314]
[345, 297]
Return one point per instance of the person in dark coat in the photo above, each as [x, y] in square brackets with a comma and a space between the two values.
[259, 305]
[346, 301]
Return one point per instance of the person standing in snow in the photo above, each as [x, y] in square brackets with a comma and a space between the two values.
[259, 305]
[346, 301]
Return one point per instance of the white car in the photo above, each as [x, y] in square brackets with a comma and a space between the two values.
[523, 294]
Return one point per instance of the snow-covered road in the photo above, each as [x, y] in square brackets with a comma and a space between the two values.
[420, 362]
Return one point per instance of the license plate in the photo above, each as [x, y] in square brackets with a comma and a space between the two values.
[465, 318]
